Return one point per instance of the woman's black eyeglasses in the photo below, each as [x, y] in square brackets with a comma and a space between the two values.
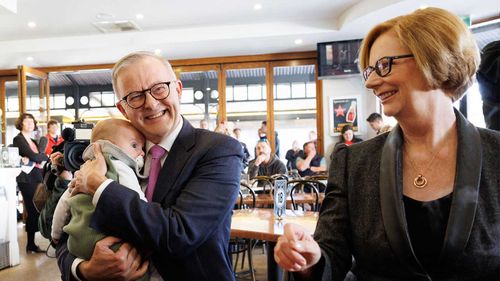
[382, 66]
[159, 91]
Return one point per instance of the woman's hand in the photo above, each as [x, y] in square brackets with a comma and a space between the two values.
[25, 160]
[296, 250]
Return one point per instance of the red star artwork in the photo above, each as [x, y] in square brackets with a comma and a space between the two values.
[339, 111]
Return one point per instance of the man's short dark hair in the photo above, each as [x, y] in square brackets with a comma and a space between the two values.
[264, 123]
[51, 122]
[374, 117]
[307, 143]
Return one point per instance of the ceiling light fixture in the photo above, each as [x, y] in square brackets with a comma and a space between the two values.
[29, 58]
[157, 52]
[31, 24]
[257, 6]
[139, 16]
[298, 41]
[104, 16]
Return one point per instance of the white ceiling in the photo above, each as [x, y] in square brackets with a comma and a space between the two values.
[65, 34]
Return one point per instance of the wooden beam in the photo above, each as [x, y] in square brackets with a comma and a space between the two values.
[251, 58]
[34, 73]
[319, 116]
[21, 88]
[47, 98]
[193, 62]
[222, 94]
[270, 107]
[3, 100]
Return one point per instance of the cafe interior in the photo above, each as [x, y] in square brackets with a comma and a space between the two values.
[292, 64]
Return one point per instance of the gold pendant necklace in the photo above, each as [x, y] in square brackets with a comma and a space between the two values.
[420, 180]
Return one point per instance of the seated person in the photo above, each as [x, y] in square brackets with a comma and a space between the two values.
[310, 162]
[292, 155]
[122, 146]
[347, 138]
[265, 164]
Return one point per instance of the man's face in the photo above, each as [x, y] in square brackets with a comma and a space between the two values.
[156, 118]
[376, 125]
[263, 127]
[203, 124]
[237, 133]
[309, 148]
[263, 148]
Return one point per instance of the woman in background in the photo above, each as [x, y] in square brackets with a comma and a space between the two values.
[27, 183]
[347, 138]
[422, 202]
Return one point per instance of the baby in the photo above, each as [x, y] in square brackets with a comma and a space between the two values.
[122, 146]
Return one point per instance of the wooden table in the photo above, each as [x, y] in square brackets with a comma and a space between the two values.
[261, 224]
[267, 199]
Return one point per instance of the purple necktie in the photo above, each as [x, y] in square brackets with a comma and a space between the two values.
[156, 153]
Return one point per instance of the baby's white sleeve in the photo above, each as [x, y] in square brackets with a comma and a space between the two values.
[61, 215]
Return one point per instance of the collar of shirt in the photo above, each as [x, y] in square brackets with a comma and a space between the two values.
[166, 143]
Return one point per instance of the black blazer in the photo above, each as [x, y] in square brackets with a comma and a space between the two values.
[363, 213]
[187, 227]
[25, 151]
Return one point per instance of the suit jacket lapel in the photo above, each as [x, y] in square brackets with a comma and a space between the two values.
[465, 190]
[175, 161]
[393, 214]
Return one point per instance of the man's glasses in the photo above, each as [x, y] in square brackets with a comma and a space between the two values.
[159, 91]
[383, 66]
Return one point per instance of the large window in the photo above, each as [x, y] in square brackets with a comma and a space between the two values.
[294, 105]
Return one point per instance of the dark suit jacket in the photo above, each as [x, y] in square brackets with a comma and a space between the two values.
[363, 213]
[188, 226]
[25, 151]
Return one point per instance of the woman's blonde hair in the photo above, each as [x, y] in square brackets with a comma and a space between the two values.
[441, 43]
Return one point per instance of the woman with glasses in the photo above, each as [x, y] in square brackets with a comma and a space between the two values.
[422, 202]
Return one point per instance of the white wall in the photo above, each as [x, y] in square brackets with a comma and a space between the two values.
[347, 87]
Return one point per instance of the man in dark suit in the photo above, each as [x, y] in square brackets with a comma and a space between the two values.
[186, 224]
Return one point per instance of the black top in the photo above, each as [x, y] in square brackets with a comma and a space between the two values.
[427, 223]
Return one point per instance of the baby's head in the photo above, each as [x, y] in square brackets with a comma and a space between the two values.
[121, 133]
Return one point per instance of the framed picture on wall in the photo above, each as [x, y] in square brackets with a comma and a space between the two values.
[344, 111]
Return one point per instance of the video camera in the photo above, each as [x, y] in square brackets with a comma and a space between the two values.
[76, 139]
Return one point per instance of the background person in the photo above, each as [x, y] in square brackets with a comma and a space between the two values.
[292, 155]
[264, 163]
[422, 202]
[246, 153]
[347, 138]
[52, 136]
[377, 123]
[28, 148]
[310, 162]
[488, 77]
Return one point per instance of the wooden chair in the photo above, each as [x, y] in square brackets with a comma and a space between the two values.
[298, 186]
[239, 246]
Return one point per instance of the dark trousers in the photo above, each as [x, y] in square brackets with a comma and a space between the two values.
[28, 190]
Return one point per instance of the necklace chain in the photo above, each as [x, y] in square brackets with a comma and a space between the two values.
[420, 180]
